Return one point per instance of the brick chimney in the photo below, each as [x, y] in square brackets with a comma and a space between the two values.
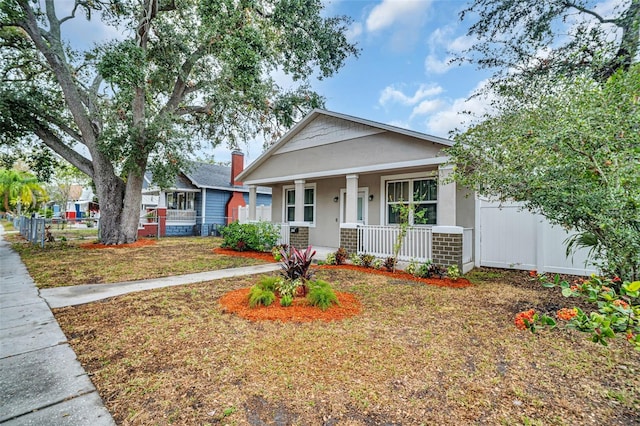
[237, 166]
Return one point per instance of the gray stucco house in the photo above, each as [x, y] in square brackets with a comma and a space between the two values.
[335, 179]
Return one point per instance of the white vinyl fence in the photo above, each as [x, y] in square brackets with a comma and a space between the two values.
[263, 213]
[517, 239]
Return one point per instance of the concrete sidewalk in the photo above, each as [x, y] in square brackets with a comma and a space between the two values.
[41, 380]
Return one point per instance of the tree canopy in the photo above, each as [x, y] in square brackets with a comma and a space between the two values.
[20, 188]
[553, 37]
[572, 153]
[183, 71]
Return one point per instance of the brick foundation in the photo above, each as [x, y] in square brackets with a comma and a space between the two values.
[349, 239]
[447, 249]
[300, 239]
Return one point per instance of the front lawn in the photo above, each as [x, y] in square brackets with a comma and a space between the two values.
[65, 263]
[417, 354]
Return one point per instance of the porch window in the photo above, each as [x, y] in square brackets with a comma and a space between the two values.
[309, 204]
[423, 193]
[181, 200]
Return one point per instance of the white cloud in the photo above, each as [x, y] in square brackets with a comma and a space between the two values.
[426, 107]
[391, 94]
[391, 12]
[354, 31]
[451, 117]
[437, 66]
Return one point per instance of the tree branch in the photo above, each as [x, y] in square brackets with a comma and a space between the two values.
[50, 139]
[586, 11]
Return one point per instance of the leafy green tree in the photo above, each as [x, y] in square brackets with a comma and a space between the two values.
[20, 187]
[528, 37]
[183, 71]
[570, 152]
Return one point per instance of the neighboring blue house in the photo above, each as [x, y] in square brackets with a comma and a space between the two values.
[200, 201]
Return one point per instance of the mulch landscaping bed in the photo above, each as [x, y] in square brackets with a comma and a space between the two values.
[267, 257]
[399, 274]
[142, 242]
[237, 302]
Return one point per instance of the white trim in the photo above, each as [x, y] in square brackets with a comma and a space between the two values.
[429, 174]
[349, 225]
[315, 204]
[447, 229]
[204, 207]
[354, 170]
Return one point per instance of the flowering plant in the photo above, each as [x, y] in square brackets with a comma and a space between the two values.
[618, 312]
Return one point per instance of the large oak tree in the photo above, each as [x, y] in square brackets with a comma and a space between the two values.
[183, 71]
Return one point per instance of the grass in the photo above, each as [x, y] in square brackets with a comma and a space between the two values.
[66, 263]
[415, 355]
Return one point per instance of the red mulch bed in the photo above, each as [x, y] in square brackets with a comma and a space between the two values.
[140, 243]
[267, 257]
[399, 274]
[237, 302]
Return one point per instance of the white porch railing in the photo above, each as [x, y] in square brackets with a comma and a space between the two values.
[467, 245]
[284, 234]
[188, 216]
[379, 241]
[263, 213]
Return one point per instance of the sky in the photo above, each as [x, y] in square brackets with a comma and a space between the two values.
[402, 76]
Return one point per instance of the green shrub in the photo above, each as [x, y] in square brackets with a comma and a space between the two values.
[453, 272]
[321, 295]
[269, 283]
[286, 300]
[331, 259]
[259, 236]
[259, 296]
[288, 287]
[355, 260]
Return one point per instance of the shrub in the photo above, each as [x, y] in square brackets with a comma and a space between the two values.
[366, 260]
[287, 287]
[355, 260]
[259, 236]
[377, 264]
[390, 263]
[331, 259]
[412, 267]
[453, 272]
[341, 256]
[260, 296]
[296, 264]
[321, 295]
[269, 283]
[286, 300]
[277, 250]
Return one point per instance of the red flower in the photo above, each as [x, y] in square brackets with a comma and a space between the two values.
[629, 335]
[616, 279]
[566, 313]
[574, 288]
[522, 316]
[533, 273]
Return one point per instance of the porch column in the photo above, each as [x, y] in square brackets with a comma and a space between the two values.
[252, 203]
[299, 208]
[446, 197]
[351, 206]
[162, 200]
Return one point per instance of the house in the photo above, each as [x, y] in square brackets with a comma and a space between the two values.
[337, 181]
[200, 200]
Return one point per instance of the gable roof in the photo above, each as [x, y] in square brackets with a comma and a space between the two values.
[297, 138]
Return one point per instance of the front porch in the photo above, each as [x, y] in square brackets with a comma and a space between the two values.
[444, 245]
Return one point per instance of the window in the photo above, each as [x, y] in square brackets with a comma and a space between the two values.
[181, 200]
[422, 193]
[309, 205]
